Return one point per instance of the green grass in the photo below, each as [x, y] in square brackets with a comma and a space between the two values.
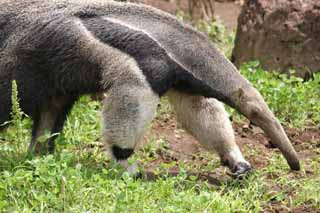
[72, 183]
[294, 102]
[78, 179]
[218, 34]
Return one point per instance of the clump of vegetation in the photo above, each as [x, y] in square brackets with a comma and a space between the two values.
[295, 103]
[14, 140]
[216, 31]
[218, 34]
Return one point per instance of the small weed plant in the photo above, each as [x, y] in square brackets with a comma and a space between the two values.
[13, 141]
[218, 34]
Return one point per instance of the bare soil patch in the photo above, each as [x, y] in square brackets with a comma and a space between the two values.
[185, 148]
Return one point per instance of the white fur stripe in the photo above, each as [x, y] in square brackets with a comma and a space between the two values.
[172, 57]
[121, 61]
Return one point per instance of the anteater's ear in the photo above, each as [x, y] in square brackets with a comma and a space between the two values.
[240, 93]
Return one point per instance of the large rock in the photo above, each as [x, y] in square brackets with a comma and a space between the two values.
[281, 34]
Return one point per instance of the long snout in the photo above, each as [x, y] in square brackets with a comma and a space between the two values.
[274, 130]
[250, 103]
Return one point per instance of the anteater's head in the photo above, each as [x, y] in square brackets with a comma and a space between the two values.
[250, 103]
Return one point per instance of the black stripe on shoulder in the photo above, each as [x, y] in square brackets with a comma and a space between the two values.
[161, 70]
[152, 59]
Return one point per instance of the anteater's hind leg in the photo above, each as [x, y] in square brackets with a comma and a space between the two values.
[51, 118]
[207, 120]
[128, 110]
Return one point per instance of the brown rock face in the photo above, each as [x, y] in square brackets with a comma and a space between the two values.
[281, 34]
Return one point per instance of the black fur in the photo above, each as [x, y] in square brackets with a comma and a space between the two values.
[3, 33]
[152, 60]
[60, 120]
[60, 110]
[161, 71]
[121, 154]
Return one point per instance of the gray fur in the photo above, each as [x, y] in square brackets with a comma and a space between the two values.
[207, 120]
[66, 48]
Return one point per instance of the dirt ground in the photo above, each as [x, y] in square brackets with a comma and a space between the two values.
[184, 148]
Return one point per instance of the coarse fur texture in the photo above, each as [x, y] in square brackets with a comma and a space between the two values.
[207, 120]
[127, 111]
[61, 49]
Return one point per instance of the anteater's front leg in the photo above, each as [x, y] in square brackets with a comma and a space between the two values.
[207, 120]
[51, 118]
[127, 111]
